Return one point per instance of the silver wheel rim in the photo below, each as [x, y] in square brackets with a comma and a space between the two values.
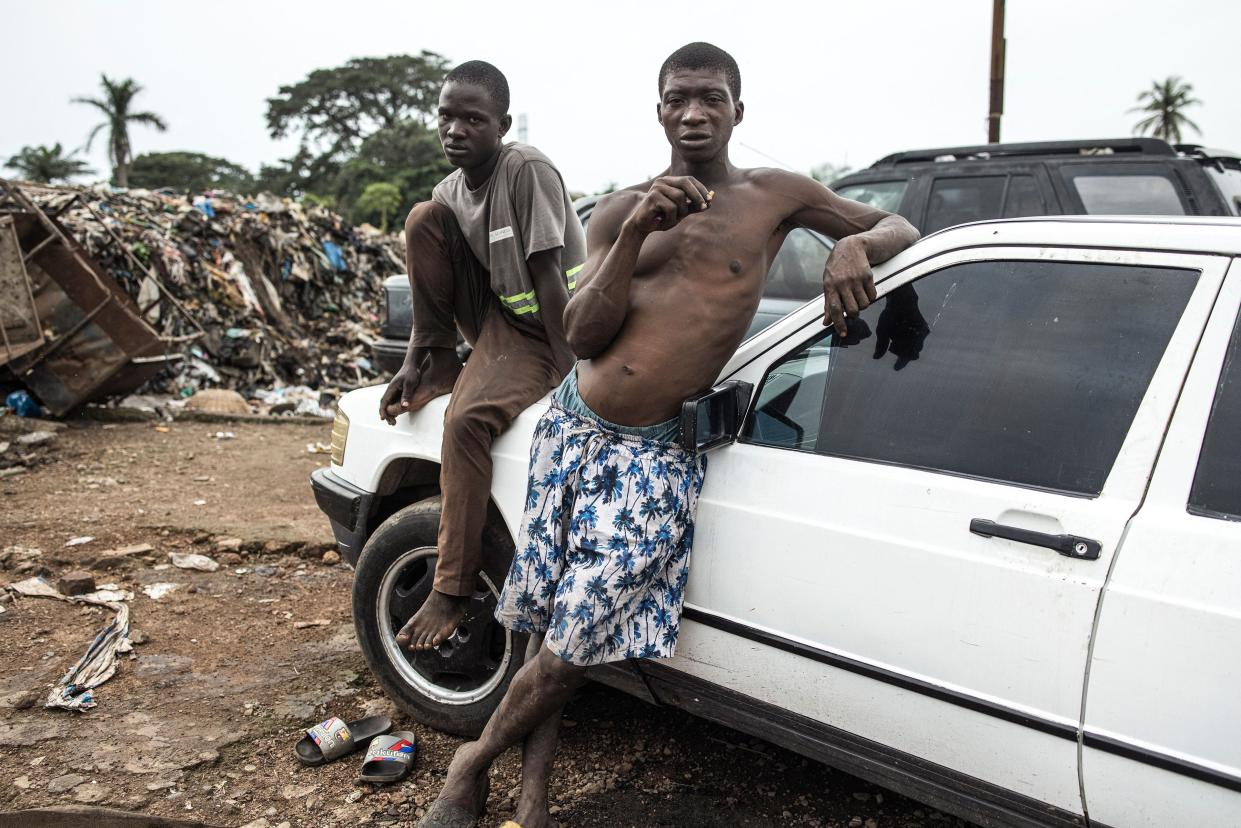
[400, 659]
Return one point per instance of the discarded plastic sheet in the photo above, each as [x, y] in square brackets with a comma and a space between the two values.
[159, 591]
[184, 560]
[75, 689]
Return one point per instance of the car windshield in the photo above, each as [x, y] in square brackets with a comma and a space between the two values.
[885, 195]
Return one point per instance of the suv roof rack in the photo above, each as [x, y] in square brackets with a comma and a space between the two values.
[983, 152]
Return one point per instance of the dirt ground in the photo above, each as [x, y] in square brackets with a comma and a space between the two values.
[200, 720]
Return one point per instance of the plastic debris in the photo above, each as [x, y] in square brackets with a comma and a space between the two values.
[225, 435]
[23, 405]
[287, 294]
[159, 591]
[184, 560]
[79, 541]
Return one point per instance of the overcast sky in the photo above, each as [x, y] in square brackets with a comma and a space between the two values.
[822, 82]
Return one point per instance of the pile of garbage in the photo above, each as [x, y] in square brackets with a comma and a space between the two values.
[273, 293]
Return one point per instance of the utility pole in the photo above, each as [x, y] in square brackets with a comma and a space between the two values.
[522, 127]
[997, 72]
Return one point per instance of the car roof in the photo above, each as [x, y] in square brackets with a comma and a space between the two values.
[1094, 148]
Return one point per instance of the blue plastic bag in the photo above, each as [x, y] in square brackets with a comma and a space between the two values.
[335, 255]
[23, 405]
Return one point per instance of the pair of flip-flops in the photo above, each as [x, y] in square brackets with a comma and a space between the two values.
[389, 756]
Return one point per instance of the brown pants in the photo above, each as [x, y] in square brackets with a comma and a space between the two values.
[511, 367]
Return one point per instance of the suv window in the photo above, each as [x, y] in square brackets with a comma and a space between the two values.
[1023, 198]
[885, 195]
[1016, 371]
[1227, 177]
[1217, 483]
[1132, 190]
[958, 200]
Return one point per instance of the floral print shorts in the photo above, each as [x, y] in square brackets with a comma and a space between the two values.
[603, 551]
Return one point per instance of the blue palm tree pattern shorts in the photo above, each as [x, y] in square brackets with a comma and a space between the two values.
[604, 546]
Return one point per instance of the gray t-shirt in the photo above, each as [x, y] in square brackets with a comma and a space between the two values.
[523, 209]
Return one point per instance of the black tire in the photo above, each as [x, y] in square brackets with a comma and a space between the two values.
[456, 687]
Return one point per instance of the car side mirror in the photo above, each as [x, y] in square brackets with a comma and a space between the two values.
[714, 419]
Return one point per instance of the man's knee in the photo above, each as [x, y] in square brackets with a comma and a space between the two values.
[559, 671]
[470, 425]
[427, 215]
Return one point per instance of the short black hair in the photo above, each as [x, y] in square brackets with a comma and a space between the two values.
[483, 74]
[703, 56]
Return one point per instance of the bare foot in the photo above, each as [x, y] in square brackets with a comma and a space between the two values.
[435, 622]
[437, 376]
[466, 783]
[426, 374]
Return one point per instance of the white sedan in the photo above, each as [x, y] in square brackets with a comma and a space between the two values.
[985, 552]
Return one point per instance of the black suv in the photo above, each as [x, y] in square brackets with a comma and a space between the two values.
[939, 188]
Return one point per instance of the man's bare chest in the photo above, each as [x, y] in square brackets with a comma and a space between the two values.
[715, 241]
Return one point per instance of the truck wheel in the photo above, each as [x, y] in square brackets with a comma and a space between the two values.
[455, 687]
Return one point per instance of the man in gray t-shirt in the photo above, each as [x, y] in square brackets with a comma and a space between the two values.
[494, 254]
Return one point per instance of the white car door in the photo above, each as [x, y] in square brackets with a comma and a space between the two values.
[1162, 740]
[836, 573]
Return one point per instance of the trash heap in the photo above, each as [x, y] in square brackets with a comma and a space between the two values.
[276, 293]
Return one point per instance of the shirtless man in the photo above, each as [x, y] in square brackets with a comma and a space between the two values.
[673, 275]
[495, 255]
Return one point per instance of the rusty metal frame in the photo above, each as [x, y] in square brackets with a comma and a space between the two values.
[13, 192]
[34, 311]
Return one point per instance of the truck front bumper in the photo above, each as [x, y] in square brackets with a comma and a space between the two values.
[348, 509]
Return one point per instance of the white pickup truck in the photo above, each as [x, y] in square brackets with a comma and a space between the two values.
[985, 552]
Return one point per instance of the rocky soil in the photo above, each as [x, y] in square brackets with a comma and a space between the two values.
[229, 666]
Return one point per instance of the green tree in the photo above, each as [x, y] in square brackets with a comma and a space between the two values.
[116, 104]
[382, 198]
[335, 109]
[189, 172]
[1164, 104]
[47, 164]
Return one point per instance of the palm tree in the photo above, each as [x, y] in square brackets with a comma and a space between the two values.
[1163, 105]
[47, 164]
[118, 97]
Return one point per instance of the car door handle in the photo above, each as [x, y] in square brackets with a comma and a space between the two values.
[1071, 546]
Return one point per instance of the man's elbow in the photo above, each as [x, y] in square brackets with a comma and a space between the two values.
[585, 343]
[908, 233]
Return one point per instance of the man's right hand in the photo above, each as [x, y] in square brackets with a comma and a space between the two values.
[395, 400]
[670, 199]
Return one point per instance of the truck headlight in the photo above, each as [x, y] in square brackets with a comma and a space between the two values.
[340, 433]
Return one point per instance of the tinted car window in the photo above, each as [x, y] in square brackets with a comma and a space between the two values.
[1228, 179]
[1023, 198]
[958, 200]
[1217, 483]
[797, 270]
[1016, 371]
[1145, 193]
[885, 195]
